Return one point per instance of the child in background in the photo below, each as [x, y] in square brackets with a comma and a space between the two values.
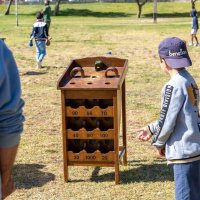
[176, 134]
[195, 27]
[40, 33]
[47, 13]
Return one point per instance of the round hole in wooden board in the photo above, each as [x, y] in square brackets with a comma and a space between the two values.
[107, 83]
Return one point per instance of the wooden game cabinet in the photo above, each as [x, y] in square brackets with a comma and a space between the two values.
[93, 102]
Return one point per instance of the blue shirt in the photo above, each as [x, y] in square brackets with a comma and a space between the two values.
[195, 24]
[11, 104]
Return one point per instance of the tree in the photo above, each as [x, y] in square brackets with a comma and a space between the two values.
[140, 4]
[8, 7]
[56, 9]
[193, 3]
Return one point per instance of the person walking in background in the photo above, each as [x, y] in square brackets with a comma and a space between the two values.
[40, 33]
[11, 118]
[195, 27]
[47, 13]
[176, 134]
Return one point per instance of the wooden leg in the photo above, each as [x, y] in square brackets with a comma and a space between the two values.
[116, 137]
[116, 173]
[64, 136]
[124, 122]
[65, 167]
[66, 174]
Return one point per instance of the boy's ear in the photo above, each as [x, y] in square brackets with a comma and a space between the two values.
[162, 60]
[166, 65]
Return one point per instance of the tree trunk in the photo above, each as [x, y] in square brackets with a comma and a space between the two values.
[139, 11]
[193, 4]
[8, 7]
[56, 9]
[140, 4]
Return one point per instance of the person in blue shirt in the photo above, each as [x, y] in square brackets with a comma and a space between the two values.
[176, 133]
[11, 117]
[195, 27]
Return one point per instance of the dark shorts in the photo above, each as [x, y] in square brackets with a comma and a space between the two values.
[9, 140]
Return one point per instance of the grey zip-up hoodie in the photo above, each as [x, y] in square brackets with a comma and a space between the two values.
[178, 127]
[11, 117]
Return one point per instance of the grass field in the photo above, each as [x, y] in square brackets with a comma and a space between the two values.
[83, 30]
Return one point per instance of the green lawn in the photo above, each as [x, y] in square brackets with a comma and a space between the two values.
[83, 30]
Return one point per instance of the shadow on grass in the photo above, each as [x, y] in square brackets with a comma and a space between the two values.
[27, 176]
[25, 14]
[84, 13]
[143, 173]
[89, 13]
[168, 15]
[33, 73]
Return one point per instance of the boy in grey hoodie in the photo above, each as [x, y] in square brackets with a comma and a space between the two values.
[176, 134]
[11, 117]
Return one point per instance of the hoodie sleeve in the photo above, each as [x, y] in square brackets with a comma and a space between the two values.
[172, 101]
[32, 33]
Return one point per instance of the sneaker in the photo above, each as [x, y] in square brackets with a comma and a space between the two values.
[190, 44]
[39, 65]
[197, 44]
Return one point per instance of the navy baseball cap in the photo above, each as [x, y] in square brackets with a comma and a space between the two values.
[174, 51]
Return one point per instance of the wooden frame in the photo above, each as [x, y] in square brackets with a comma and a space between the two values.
[82, 115]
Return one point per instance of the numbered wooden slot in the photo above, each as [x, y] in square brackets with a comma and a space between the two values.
[89, 107]
[106, 145]
[76, 145]
[90, 123]
[75, 123]
[92, 146]
[90, 103]
[94, 134]
[106, 123]
[75, 103]
[96, 111]
[83, 156]
[105, 103]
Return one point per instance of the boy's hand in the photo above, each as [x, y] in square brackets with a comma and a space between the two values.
[161, 152]
[144, 134]
[30, 43]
